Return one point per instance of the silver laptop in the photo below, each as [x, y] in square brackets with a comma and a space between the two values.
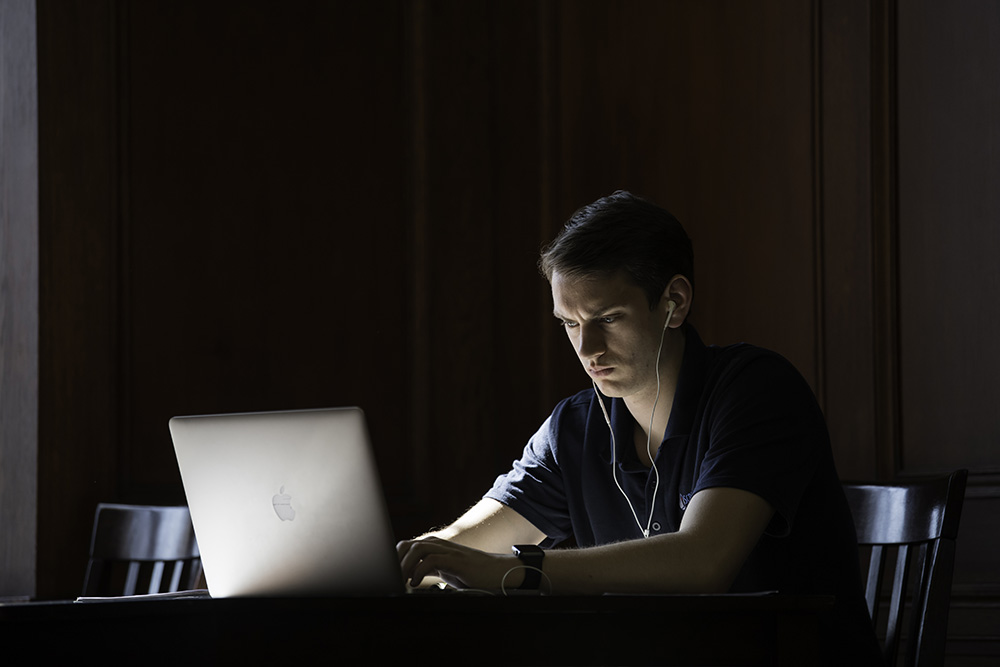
[287, 503]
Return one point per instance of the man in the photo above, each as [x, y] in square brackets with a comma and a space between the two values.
[685, 468]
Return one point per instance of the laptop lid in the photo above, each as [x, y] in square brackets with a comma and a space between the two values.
[287, 503]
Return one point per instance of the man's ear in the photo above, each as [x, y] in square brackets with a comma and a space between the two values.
[680, 291]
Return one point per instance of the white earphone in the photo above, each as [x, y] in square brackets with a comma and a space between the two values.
[671, 306]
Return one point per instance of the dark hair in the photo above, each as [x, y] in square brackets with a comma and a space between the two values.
[622, 232]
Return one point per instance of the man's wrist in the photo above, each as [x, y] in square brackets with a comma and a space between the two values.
[531, 557]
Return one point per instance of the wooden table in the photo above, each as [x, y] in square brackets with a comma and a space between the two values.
[456, 628]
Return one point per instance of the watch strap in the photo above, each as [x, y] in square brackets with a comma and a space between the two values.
[531, 555]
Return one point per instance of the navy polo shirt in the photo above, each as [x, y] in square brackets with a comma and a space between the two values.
[743, 417]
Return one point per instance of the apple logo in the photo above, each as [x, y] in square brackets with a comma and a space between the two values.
[283, 505]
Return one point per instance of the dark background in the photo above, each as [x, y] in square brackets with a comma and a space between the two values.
[228, 206]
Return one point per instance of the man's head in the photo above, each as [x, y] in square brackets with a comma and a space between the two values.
[622, 233]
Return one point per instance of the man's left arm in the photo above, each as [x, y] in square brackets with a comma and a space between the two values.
[720, 528]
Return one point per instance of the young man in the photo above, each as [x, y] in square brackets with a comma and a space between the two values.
[685, 468]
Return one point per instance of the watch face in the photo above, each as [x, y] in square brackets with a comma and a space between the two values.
[531, 554]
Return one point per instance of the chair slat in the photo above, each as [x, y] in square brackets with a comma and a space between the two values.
[896, 601]
[874, 583]
[155, 577]
[175, 575]
[923, 562]
[131, 578]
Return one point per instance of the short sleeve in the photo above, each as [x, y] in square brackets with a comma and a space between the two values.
[534, 487]
[767, 436]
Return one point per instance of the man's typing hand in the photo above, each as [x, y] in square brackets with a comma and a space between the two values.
[457, 565]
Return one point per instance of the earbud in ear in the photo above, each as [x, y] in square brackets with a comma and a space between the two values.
[671, 306]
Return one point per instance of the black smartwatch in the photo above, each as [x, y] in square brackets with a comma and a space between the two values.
[531, 555]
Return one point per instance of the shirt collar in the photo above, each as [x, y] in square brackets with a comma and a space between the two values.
[690, 384]
[689, 389]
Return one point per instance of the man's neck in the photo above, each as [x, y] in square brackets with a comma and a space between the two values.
[641, 406]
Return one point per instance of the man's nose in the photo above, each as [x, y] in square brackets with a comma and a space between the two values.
[590, 344]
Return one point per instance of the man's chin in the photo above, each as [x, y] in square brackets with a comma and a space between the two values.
[610, 388]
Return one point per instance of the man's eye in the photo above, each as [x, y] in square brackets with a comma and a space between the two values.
[609, 319]
[568, 325]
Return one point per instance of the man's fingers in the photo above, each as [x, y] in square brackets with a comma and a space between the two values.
[420, 558]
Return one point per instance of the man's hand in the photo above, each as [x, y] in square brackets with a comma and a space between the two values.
[457, 565]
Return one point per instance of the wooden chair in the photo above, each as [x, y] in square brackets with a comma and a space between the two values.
[917, 522]
[138, 549]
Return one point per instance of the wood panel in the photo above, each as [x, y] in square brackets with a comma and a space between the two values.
[948, 141]
[845, 143]
[975, 606]
[479, 192]
[264, 251]
[78, 283]
[705, 107]
[257, 276]
[18, 297]
[949, 89]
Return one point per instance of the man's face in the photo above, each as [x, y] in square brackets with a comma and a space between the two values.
[614, 333]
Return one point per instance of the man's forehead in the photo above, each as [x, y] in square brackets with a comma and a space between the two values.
[593, 291]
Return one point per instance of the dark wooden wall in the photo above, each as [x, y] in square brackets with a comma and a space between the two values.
[947, 125]
[256, 206]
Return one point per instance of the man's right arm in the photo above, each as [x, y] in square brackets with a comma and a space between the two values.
[490, 526]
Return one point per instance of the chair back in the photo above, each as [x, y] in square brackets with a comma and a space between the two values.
[141, 549]
[917, 523]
